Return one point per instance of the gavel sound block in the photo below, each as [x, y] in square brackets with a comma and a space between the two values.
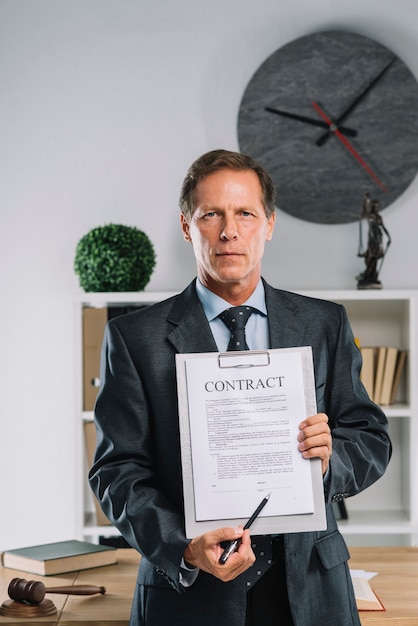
[28, 597]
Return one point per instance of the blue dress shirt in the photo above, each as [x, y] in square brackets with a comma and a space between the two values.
[256, 330]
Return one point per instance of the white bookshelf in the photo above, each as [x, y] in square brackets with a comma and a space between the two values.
[387, 512]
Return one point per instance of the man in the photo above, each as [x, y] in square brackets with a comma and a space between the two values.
[227, 214]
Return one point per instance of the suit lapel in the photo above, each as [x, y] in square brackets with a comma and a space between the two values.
[287, 327]
[191, 332]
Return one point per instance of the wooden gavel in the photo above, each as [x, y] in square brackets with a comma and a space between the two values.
[33, 591]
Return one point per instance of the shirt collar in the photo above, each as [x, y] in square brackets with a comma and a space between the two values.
[213, 305]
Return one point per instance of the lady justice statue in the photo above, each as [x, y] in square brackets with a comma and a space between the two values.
[376, 247]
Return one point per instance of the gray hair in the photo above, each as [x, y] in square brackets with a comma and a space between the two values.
[220, 160]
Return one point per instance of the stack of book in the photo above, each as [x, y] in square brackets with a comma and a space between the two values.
[381, 372]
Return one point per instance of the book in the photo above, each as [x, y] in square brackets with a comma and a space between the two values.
[60, 557]
[388, 375]
[366, 599]
[400, 366]
[380, 368]
[368, 369]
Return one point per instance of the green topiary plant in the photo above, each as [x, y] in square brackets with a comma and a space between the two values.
[114, 258]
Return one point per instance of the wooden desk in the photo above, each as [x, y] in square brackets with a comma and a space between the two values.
[396, 585]
[111, 609]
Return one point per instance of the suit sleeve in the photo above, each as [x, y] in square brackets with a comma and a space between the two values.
[361, 444]
[124, 477]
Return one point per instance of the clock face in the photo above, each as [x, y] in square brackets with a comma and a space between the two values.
[331, 116]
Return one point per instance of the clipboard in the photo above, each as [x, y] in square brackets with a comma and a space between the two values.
[242, 366]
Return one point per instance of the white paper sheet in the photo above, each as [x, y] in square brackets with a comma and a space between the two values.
[245, 437]
[239, 417]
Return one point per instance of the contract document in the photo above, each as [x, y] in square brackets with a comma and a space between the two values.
[239, 421]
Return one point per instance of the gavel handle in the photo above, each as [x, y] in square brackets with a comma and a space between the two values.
[77, 590]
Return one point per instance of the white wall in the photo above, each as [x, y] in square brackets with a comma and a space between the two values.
[103, 106]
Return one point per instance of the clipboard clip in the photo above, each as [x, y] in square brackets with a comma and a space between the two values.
[244, 359]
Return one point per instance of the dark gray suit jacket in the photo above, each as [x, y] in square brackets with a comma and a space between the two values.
[137, 472]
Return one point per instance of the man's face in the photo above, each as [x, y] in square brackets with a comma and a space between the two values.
[228, 231]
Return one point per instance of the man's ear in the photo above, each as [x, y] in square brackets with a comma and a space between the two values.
[271, 221]
[185, 227]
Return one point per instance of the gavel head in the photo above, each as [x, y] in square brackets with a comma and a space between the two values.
[31, 591]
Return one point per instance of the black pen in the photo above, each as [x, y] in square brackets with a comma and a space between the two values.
[233, 545]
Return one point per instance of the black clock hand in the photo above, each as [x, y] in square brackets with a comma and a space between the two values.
[309, 120]
[323, 138]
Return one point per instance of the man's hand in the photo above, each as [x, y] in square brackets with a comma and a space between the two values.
[204, 552]
[315, 439]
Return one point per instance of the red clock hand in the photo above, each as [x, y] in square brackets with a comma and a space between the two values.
[348, 145]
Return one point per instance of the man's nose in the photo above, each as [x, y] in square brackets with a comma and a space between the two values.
[229, 230]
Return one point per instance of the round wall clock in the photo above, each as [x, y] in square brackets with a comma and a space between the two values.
[331, 116]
